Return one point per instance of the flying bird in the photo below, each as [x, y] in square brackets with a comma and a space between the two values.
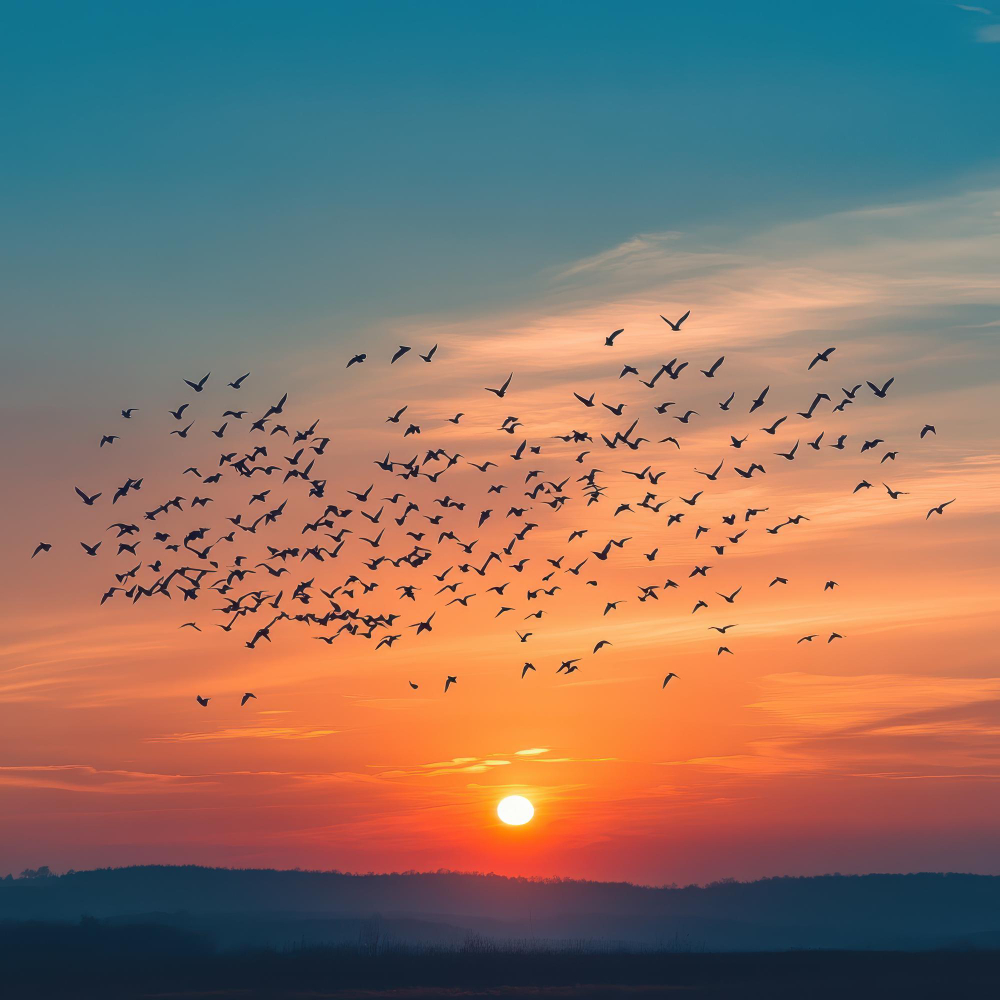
[821, 356]
[676, 327]
[939, 509]
[880, 392]
[502, 391]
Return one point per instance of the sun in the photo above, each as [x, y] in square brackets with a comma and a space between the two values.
[515, 810]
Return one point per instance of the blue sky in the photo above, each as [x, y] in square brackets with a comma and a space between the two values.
[183, 170]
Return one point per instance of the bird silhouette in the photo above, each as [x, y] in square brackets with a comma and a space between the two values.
[939, 509]
[676, 327]
[502, 391]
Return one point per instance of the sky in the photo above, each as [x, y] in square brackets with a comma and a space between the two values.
[274, 188]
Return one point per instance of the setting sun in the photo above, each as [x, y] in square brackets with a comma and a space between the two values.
[515, 810]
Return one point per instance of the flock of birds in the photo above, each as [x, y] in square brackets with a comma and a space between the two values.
[393, 530]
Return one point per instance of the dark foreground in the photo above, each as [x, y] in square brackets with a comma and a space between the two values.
[93, 960]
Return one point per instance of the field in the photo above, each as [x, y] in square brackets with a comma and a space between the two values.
[91, 959]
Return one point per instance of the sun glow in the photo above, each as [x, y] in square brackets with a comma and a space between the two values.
[515, 810]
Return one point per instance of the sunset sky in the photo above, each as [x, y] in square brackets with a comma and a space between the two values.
[233, 187]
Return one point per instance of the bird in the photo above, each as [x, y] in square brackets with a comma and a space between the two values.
[88, 500]
[108, 439]
[399, 353]
[676, 327]
[238, 382]
[127, 414]
[502, 391]
[46, 546]
[821, 356]
[939, 509]
[429, 356]
[526, 668]
[928, 429]
[667, 679]
[357, 360]
[759, 401]
[202, 701]
[198, 386]
[249, 694]
[412, 685]
[880, 392]
[710, 372]
[609, 341]
[449, 680]
[895, 494]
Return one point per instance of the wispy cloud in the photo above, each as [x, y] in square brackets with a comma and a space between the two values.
[246, 733]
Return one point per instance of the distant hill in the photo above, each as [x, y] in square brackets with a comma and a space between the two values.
[236, 907]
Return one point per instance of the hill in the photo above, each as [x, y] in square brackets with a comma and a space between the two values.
[235, 908]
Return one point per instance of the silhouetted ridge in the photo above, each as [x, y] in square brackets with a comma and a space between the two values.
[899, 911]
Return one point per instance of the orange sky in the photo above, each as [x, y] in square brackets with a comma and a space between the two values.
[875, 752]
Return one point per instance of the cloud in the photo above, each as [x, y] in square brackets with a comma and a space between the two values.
[247, 733]
[989, 33]
[876, 725]
[85, 778]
